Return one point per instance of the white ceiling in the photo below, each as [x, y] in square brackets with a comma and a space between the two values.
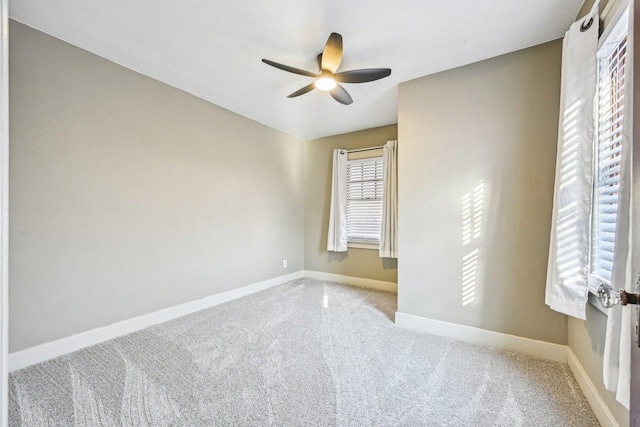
[212, 48]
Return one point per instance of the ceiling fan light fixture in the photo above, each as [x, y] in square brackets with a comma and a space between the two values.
[325, 83]
[327, 78]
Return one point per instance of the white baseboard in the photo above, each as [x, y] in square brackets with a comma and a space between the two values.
[545, 350]
[379, 285]
[542, 349]
[603, 414]
[46, 351]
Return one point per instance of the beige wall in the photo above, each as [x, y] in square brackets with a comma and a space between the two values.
[128, 196]
[586, 339]
[317, 170]
[487, 129]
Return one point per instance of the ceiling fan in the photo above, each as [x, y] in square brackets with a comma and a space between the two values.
[327, 79]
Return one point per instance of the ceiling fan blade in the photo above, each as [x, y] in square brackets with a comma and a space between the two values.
[341, 95]
[290, 69]
[364, 75]
[319, 60]
[332, 53]
[304, 90]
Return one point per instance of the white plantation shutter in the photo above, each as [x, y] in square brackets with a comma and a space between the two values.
[364, 199]
[608, 160]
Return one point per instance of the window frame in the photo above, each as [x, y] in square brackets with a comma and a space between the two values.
[616, 33]
[373, 155]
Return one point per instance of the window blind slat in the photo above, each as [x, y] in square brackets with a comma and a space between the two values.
[611, 127]
[604, 217]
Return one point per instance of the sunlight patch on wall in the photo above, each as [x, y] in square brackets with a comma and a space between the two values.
[472, 206]
[466, 219]
[472, 203]
[469, 277]
[478, 199]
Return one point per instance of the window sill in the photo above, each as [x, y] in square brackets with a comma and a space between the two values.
[594, 283]
[595, 301]
[364, 245]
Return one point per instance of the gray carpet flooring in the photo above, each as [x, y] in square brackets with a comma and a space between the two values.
[307, 353]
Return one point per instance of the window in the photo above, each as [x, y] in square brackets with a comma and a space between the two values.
[610, 115]
[364, 201]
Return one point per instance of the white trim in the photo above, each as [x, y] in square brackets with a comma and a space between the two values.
[615, 8]
[545, 350]
[363, 245]
[46, 351]
[353, 281]
[600, 408]
[542, 349]
[595, 301]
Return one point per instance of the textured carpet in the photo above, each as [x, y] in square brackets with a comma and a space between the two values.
[306, 353]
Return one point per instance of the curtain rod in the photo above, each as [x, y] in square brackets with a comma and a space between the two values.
[366, 149]
[611, 6]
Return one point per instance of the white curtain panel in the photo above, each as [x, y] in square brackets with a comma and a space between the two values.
[617, 350]
[567, 289]
[337, 238]
[389, 229]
